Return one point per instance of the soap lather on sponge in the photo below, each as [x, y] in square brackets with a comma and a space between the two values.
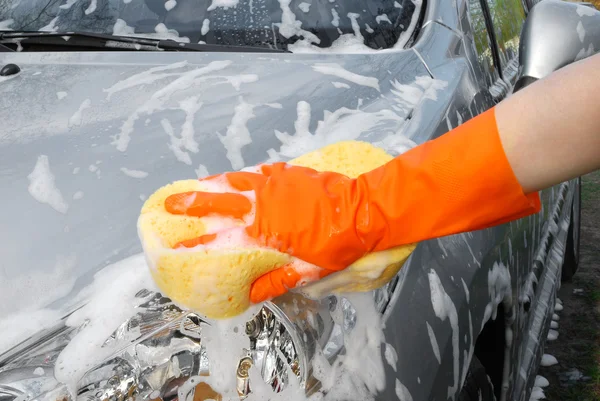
[214, 280]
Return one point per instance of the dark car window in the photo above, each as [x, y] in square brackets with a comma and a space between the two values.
[272, 23]
[508, 17]
[482, 41]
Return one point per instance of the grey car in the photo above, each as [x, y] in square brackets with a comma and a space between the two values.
[104, 101]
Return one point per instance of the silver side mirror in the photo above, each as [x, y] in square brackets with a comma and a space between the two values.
[555, 34]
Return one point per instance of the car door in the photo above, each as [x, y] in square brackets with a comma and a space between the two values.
[535, 243]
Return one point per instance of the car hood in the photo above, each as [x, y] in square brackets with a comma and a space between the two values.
[88, 136]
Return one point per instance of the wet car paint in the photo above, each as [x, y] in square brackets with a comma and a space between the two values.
[88, 130]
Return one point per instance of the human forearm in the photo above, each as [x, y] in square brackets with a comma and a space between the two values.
[550, 130]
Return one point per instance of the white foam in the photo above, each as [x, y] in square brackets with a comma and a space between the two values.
[338, 71]
[304, 7]
[238, 135]
[340, 85]
[580, 31]
[541, 381]
[548, 360]
[553, 325]
[61, 95]
[170, 4]
[24, 325]
[145, 77]
[552, 335]
[39, 371]
[158, 100]
[205, 26]
[391, 356]
[134, 173]
[4, 25]
[558, 307]
[176, 143]
[223, 4]
[122, 29]
[51, 27]
[290, 26]
[434, 343]
[402, 392]
[112, 301]
[555, 317]
[43, 188]
[190, 107]
[78, 195]
[342, 124]
[383, 18]
[537, 394]
[336, 18]
[201, 171]
[465, 288]
[163, 32]
[77, 118]
[91, 8]
[444, 308]
[369, 29]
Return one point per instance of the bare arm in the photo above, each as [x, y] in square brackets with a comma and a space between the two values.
[550, 130]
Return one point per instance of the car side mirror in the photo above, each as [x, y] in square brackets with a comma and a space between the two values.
[555, 34]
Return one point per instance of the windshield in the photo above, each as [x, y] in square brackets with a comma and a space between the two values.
[293, 24]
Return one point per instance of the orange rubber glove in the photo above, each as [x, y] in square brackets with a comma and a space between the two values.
[459, 182]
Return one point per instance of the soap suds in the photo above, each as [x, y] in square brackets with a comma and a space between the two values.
[541, 381]
[51, 27]
[201, 171]
[205, 26]
[43, 188]
[61, 95]
[304, 7]
[444, 309]
[336, 18]
[391, 356]
[238, 135]
[134, 173]
[290, 26]
[580, 31]
[223, 4]
[112, 302]
[4, 25]
[338, 71]
[176, 143]
[158, 100]
[78, 195]
[434, 343]
[91, 8]
[383, 18]
[402, 392]
[558, 307]
[170, 4]
[548, 360]
[39, 371]
[552, 335]
[340, 85]
[77, 118]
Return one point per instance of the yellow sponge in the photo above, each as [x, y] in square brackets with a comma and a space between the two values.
[216, 283]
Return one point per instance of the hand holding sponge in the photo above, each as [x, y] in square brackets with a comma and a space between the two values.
[348, 213]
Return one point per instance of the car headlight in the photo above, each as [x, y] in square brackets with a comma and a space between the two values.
[159, 352]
